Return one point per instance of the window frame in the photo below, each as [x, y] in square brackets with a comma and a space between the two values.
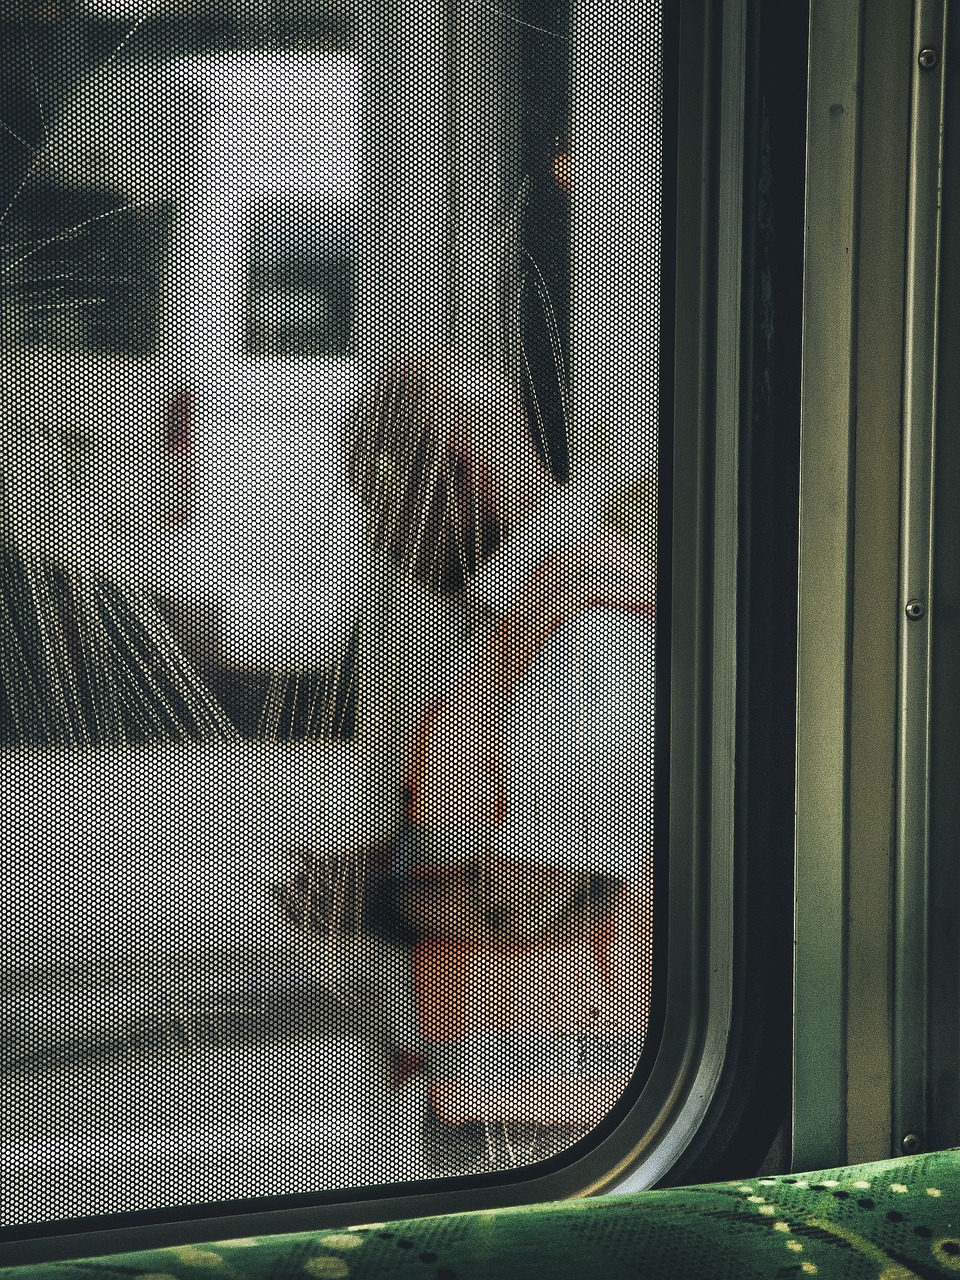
[698, 699]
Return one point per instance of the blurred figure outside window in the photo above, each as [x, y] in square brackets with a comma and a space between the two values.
[522, 878]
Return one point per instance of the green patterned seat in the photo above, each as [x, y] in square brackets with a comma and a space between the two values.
[892, 1220]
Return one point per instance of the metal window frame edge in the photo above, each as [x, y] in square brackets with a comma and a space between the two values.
[699, 998]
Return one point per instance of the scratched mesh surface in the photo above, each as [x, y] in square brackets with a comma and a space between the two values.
[329, 424]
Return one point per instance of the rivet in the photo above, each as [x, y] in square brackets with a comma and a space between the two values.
[915, 610]
[910, 1144]
[928, 59]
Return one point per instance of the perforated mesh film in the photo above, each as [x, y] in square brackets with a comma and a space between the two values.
[329, 428]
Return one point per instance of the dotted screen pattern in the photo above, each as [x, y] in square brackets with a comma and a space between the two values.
[328, 565]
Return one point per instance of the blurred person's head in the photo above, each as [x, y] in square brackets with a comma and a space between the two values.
[442, 457]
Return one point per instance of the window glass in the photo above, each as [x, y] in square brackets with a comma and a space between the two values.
[327, 609]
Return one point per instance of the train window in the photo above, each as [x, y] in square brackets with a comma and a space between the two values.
[368, 625]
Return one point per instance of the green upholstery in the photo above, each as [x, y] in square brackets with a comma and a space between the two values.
[892, 1220]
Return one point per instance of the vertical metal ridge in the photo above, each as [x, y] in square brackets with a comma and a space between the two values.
[917, 607]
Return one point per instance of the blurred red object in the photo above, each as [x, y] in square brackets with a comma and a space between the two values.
[592, 988]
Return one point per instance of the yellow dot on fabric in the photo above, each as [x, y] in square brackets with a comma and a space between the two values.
[329, 1267]
[862, 1185]
[198, 1257]
[767, 1209]
[830, 1182]
[795, 1246]
[899, 1188]
[767, 1182]
[809, 1268]
[343, 1241]
[801, 1182]
[756, 1200]
[367, 1226]
[745, 1188]
[934, 1191]
[781, 1226]
[947, 1253]
[245, 1243]
[897, 1272]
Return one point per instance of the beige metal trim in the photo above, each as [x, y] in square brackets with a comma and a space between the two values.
[873, 713]
[826, 508]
